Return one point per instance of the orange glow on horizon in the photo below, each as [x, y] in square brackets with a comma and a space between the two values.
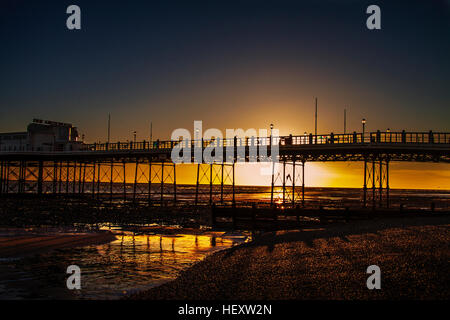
[317, 174]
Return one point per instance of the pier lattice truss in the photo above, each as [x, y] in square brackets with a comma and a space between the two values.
[142, 172]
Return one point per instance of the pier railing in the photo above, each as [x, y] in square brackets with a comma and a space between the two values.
[370, 138]
[377, 137]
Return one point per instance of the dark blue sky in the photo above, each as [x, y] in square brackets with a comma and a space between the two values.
[228, 63]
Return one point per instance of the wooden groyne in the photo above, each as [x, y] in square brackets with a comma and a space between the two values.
[278, 218]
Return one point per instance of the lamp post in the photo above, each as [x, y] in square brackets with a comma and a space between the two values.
[363, 121]
[134, 134]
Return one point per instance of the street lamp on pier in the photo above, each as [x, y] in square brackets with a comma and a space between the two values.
[363, 121]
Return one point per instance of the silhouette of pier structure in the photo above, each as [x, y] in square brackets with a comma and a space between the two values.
[103, 170]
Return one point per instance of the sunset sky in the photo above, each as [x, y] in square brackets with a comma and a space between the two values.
[231, 64]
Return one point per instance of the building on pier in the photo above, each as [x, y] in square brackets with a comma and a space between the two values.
[42, 135]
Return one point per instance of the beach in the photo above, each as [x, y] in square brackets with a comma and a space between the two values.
[28, 241]
[324, 263]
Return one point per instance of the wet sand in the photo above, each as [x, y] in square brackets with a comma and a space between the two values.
[325, 263]
[32, 242]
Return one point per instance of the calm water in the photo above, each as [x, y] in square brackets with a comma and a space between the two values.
[109, 271]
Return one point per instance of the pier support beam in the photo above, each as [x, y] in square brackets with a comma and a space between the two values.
[219, 179]
[40, 176]
[288, 183]
[1, 177]
[376, 176]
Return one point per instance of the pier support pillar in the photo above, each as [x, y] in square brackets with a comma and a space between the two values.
[149, 181]
[40, 177]
[303, 183]
[1, 178]
[162, 183]
[376, 175]
[234, 192]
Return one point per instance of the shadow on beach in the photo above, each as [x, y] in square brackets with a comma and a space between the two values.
[325, 263]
